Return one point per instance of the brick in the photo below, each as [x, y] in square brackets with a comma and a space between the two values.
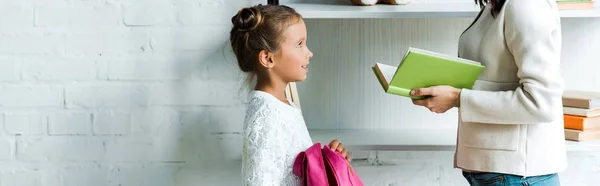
[152, 67]
[206, 14]
[9, 71]
[148, 149]
[221, 145]
[25, 124]
[226, 119]
[174, 136]
[60, 149]
[16, 16]
[30, 96]
[151, 14]
[196, 93]
[189, 39]
[33, 44]
[106, 95]
[111, 123]
[6, 148]
[210, 175]
[73, 16]
[88, 175]
[107, 42]
[70, 124]
[59, 69]
[159, 174]
[220, 66]
[43, 2]
[31, 177]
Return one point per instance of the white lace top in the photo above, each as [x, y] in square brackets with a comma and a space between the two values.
[274, 133]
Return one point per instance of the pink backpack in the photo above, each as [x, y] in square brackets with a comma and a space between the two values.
[324, 167]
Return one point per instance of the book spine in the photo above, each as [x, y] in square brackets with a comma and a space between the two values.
[577, 103]
[398, 91]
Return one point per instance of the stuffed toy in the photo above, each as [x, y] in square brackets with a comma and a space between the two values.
[373, 2]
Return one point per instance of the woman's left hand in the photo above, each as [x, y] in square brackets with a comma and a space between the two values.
[440, 98]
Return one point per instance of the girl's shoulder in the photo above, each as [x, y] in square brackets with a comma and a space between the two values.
[264, 107]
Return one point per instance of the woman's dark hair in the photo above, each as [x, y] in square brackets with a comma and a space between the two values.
[259, 28]
[496, 4]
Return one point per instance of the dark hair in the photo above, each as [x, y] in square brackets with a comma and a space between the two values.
[259, 28]
[496, 5]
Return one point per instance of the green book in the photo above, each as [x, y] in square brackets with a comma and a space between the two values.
[421, 68]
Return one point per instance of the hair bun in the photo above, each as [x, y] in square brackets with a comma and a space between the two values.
[247, 19]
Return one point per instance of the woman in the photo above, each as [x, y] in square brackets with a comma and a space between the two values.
[510, 124]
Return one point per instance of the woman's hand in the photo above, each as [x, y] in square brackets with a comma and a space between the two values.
[337, 146]
[440, 98]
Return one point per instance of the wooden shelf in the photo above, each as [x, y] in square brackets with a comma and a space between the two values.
[412, 10]
[412, 140]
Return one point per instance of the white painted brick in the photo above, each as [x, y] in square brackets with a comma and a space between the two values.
[107, 15]
[6, 148]
[41, 2]
[206, 14]
[189, 38]
[25, 124]
[107, 42]
[70, 124]
[226, 119]
[22, 178]
[144, 121]
[224, 174]
[148, 149]
[60, 149]
[88, 175]
[159, 174]
[175, 135]
[106, 95]
[220, 66]
[29, 96]
[10, 13]
[111, 123]
[148, 14]
[33, 44]
[9, 71]
[130, 150]
[225, 147]
[59, 69]
[196, 93]
[152, 67]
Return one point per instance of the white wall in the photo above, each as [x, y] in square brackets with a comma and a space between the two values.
[118, 93]
[146, 93]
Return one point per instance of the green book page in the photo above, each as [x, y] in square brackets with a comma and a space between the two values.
[420, 70]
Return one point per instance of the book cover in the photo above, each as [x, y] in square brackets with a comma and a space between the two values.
[581, 123]
[579, 135]
[581, 99]
[581, 111]
[421, 68]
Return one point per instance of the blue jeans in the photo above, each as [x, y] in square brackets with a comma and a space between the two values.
[497, 179]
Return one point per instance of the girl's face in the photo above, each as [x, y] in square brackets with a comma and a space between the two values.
[292, 59]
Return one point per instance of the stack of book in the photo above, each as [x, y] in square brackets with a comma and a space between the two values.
[581, 114]
[575, 4]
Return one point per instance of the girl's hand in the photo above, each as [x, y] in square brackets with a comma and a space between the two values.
[337, 146]
[440, 98]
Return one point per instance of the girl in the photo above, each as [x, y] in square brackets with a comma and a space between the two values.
[269, 42]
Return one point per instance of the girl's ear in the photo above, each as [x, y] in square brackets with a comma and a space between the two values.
[265, 59]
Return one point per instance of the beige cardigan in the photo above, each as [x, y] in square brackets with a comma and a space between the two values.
[511, 122]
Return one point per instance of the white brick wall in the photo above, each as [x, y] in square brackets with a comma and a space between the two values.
[147, 93]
